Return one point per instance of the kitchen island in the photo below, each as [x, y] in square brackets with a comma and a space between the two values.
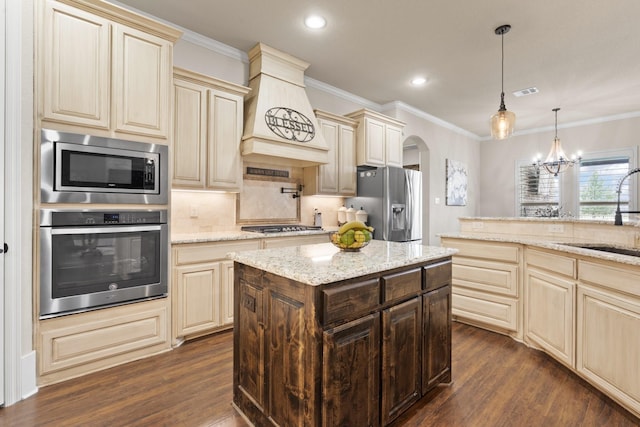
[324, 337]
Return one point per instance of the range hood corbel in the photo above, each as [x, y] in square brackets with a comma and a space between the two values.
[280, 126]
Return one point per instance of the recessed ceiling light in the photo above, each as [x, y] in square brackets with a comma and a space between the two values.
[315, 22]
[418, 81]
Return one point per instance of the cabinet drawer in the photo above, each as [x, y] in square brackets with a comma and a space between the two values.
[491, 310]
[498, 277]
[437, 275]
[480, 249]
[552, 262]
[193, 253]
[623, 278]
[345, 301]
[398, 285]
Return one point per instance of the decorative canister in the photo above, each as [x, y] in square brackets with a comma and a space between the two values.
[342, 215]
[362, 215]
[351, 214]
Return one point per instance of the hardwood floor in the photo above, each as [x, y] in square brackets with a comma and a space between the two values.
[496, 382]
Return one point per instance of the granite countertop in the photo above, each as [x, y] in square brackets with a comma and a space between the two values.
[568, 247]
[566, 219]
[220, 236]
[324, 263]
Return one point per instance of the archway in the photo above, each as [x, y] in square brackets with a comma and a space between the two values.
[416, 156]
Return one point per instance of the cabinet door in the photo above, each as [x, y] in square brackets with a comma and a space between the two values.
[549, 314]
[393, 146]
[436, 350]
[351, 373]
[374, 145]
[198, 305]
[190, 134]
[328, 173]
[346, 169]
[608, 341]
[224, 165]
[249, 347]
[401, 348]
[76, 67]
[226, 297]
[142, 65]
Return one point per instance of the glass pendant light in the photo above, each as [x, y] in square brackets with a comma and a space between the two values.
[503, 121]
[556, 161]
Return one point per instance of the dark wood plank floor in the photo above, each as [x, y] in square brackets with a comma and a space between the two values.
[496, 382]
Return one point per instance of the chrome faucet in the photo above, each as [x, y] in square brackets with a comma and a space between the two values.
[618, 218]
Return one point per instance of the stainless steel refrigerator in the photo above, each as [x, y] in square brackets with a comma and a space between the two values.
[392, 198]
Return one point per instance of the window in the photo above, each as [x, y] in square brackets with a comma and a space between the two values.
[587, 191]
[598, 183]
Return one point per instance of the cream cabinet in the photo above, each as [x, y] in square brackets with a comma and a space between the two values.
[549, 312]
[338, 177]
[608, 330]
[75, 345]
[103, 67]
[487, 284]
[378, 139]
[202, 282]
[208, 116]
[202, 287]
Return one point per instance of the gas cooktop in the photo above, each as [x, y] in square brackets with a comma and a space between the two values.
[279, 228]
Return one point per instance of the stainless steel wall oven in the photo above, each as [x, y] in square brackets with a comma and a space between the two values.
[89, 169]
[91, 259]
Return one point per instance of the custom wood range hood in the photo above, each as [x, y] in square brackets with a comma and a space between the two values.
[280, 126]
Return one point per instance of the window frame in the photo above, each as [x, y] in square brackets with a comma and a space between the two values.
[569, 181]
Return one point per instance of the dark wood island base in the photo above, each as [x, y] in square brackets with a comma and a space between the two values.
[355, 352]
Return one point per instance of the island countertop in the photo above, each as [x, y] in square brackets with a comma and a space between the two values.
[324, 263]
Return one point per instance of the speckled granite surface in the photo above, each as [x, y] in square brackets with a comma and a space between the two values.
[558, 246]
[324, 263]
[220, 236]
[546, 219]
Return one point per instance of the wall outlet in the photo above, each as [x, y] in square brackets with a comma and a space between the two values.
[193, 211]
[477, 225]
[556, 228]
[437, 200]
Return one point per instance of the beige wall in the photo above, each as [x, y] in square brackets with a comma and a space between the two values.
[498, 158]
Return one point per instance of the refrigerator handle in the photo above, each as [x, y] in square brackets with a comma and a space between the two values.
[409, 201]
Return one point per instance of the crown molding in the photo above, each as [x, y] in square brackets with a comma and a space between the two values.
[428, 117]
[348, 96]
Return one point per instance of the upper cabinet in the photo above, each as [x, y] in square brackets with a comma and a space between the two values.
[207, 130]
[103, 67]
[378, 139]
[338, 177]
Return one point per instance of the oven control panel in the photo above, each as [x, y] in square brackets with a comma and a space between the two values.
[64, 218]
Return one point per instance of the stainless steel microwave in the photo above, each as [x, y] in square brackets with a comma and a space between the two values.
[79, 168]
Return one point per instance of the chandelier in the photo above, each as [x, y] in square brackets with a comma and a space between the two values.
[503, 121]
[556, 161]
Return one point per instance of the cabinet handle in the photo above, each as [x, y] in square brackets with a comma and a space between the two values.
[4, 249]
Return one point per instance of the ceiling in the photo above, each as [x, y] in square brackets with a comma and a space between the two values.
[582, 55]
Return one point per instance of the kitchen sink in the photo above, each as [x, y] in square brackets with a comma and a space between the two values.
[606, 248]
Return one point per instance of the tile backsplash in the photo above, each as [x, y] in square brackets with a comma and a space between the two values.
[203, 211]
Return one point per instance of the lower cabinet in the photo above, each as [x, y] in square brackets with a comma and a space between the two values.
[374, 344]
[75, 345]
[202, 287]
[487, 284]
[352, 350]
[401, 357]
[550, 290]
[608, 331]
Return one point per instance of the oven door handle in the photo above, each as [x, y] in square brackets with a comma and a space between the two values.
[107, 229]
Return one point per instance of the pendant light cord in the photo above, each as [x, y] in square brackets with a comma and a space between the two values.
[502, 106]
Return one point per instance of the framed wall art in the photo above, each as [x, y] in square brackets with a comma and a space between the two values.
[456, 183]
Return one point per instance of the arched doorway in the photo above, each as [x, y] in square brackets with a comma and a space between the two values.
[416, 156]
